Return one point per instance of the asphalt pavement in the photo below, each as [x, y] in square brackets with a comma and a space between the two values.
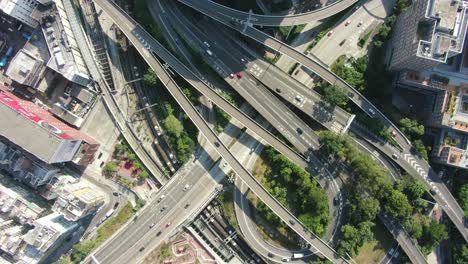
[273, 20]
[410, 161]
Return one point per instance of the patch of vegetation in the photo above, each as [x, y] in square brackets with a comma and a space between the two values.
[353, 72]
[222, 119]
[336, 96]
[165, 252]
[415, 132]
[273, 60]
[180, 134]
[293, 32]
[362, 41]
[294, 187]
[226, 199]
[371, 192]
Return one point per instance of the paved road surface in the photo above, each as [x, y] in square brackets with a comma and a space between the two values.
[133, 32]
[272, 20]
[408, 159]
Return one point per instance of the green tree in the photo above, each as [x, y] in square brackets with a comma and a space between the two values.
[81, 250]
[110, 168]
[185, 147]
[378, 43]
[173, 126]
[143, 175]
[397, 206]
[433, 234]
[165, 252]
[150, 78]
[402, 5]
[384, 31]
[413, 189]
[132, 157]
[364, 209]
[414, 226]
[463, 195]
[332, 144]
[460, 253]
[420, 148]
[137, 165]
[335, 95]
[354, 237]
[411, 127]
[119, 149]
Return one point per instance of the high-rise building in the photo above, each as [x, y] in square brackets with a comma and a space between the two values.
[428, 33]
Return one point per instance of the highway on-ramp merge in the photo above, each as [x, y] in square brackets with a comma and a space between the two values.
[131, 29]
[407, 157]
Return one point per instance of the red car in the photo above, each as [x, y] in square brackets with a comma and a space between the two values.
[168, 224]
[239, 75]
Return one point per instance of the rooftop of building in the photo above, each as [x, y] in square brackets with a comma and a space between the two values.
[33, 128]
[442, 35]
[62, 45]
[445, 9]
[25, 68]
[47, 230]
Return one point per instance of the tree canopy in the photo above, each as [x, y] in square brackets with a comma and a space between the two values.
[335, 95]
[173, 126]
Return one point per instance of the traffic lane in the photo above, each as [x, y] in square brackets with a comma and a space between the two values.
[147, 215]
[219, 100]
[245, 222]
[172, 222]
[309, 103]
[404, 240]
[334, 191]
[252, 235]
[221, 148]
[266, 20]
[296, 131]
[419, 169]
[143, 222]
[325, 74]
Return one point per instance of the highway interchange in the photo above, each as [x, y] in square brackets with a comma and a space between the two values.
[143, 42]
[408, 159]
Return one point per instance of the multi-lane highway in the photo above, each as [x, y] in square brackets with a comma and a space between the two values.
[407, 158]
[262, 100]
[145, 42]
[272, 20]
[134, 33]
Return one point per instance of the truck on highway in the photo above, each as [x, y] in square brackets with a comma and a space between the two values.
[111, 212]
[297, 255]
